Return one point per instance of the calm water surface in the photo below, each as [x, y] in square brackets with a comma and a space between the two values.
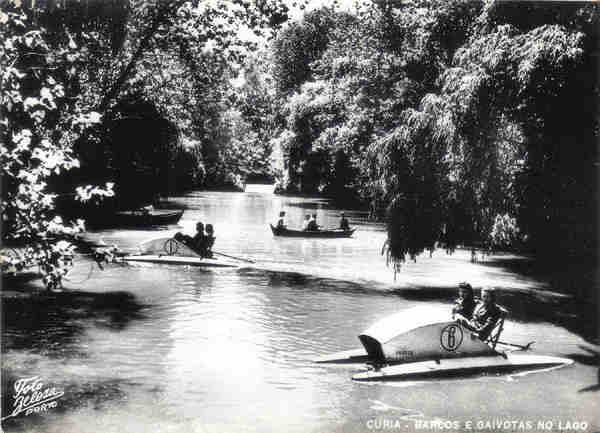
[150, 348]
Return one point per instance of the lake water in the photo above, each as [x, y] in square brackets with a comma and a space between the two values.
[152, 348]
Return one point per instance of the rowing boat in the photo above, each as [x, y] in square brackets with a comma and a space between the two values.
[259, 188]
[169, 251]
[154, 217]
[411, 346]
[330, 233]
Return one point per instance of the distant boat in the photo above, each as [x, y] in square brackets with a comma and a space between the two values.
[260, 188]
[145, 217]
[331, 233]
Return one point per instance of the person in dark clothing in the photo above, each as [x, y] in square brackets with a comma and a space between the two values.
[465, 304]
[344, 224]
[312, 224]
[486, 314]
[209, 241]
[198, 242]
[281, 221]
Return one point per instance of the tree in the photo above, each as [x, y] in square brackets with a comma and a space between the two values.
[299, 45]
[460, 123]
[500, 110]
[40, 119]
[67, 69]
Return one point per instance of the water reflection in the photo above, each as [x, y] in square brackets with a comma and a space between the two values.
[52, 323]
[167, 348]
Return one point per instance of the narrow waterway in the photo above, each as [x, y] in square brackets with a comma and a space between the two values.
[152, 348]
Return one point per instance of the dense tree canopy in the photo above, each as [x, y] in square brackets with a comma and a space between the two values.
[80, 78]
[458, 122]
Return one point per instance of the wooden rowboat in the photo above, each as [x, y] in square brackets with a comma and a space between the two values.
[141, 218]
[331, 233]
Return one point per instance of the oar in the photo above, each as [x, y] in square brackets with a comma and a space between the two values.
[233, 257]
[526, 347]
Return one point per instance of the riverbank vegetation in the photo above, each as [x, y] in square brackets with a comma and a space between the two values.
[469, 123]
[458, 123]
[117, 100]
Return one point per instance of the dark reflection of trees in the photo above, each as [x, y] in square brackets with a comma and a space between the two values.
[51, 323]
[576, 312]
[308, 282]
[592, 357]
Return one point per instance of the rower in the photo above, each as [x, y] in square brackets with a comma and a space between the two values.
[281, 222]
[312, 223]
[344, 224]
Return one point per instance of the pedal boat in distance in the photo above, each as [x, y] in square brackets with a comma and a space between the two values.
[169, 251]
[412, 346]
[326, 233]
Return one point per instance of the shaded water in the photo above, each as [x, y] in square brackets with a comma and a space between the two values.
[167, 348]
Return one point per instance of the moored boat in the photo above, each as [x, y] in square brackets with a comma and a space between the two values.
[259, 188]
[410, 346]
[144, 217]
[329, 233]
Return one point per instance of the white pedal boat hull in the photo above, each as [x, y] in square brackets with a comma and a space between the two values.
[411, 345]
[461, 367]
[169, 251]
[178, 260]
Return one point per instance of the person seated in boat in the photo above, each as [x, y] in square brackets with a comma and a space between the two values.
[486, 315]
[209, 241]
[465, 304]
[198, 242]
[182, 238]
[187, 239]
[306, 222]
[312, 223]
[281, 221]
[344, 224]
[147, 209]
